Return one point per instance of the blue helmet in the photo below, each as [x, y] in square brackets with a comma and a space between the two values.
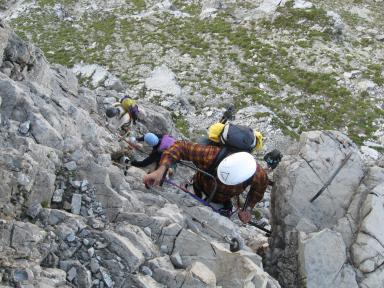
[151, 139]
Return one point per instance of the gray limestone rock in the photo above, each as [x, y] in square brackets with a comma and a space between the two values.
[58, 195]
[168, 236]
[193, 247]
[177, 261]
[43, 187]
[24, 127]
[76, 203]
[331, 222]
[106, 277]
[20, 275]
[44, 133]
[25, 238]
[123, 247]
[71, 166]
[34, 210]
[94, 265]
[322, 269]
[71, 274]
[139, 239]
[146, 271]
[164, 272]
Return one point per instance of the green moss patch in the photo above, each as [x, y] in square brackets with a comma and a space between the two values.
[128, 46]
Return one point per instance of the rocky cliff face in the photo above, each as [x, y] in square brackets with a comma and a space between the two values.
[336, 240]
[70, 217]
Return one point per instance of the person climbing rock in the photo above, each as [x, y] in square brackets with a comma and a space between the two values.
[123, 113]
[233, 176]
[229, 114]
[159, 143]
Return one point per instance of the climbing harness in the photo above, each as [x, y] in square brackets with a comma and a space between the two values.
[213, 192]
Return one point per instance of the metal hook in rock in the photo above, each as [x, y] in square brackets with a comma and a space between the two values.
[234, 246]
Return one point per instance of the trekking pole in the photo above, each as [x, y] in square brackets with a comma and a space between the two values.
[267, 232]
[345, 160]
[234, 243]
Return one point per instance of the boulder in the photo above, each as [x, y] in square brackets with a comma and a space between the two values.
[323, 269]
[230, 269]
[163, 272]
[123, 247]
[343, 218]
[168, 236]
[139, 239]
[25, 239]
[368, 250]
[201, 274]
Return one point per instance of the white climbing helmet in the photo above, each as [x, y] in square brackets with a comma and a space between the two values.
[236, 168]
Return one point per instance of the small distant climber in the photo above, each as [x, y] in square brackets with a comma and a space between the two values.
[123, 113]
[233, 174]
[229, 114]
[159, 144]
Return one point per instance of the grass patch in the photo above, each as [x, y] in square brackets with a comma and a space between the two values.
[181, 124]
[45, 204]
[291, 18]
[138, 4]
[214, 43]
[374, 72]
[262, 114]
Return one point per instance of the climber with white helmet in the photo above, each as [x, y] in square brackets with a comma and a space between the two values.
[233, 173]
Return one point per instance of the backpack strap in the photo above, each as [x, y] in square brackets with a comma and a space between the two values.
[248, 182]
[220, 156]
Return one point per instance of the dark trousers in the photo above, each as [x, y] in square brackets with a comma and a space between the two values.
[225, 211]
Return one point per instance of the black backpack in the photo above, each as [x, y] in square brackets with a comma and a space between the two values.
[238, 137]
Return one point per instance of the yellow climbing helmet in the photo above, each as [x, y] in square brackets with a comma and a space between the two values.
[259, 140]
[214, 132]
